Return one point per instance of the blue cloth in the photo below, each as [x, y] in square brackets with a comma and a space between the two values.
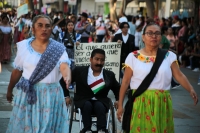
[47, 115]
[132, 28]
[45, 65]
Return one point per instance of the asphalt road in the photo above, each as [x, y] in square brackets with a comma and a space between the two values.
[186, 115]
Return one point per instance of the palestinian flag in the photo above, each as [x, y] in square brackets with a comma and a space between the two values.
[97, 85]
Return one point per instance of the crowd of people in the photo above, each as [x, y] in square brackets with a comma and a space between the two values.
[178, 35]
[54, 35]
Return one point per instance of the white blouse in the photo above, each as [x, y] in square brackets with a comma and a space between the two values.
[140, 69]
[6, 29]
[27, 59]
[138, 36]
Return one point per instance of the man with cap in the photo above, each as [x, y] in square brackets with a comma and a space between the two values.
[137, 23]
[121, 20]
[84, 28]
[176, 22]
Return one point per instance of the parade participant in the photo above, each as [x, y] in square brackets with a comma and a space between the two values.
[151, 110]
[39, 104]
[84, 28]
[92, 86]
[127, 41]
[100, 29]
[5, 40]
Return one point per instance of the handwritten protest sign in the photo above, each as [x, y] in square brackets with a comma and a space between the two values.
[113, 51]
[22, 10]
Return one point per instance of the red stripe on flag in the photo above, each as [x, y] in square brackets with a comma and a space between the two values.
[96, 83]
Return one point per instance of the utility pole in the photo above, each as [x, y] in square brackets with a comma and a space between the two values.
[61, 5]
[157, 4]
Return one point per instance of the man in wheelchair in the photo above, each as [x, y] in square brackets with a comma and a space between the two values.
[92, 86]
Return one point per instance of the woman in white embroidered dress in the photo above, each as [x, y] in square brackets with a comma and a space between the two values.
[152, 110]
[49, 113]
[5, 40]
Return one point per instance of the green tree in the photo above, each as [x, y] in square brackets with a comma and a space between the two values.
[113, 13]
[40, 4]
[150, 8]
[61, 5]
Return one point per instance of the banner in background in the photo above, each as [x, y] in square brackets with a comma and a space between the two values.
[113, 52]
[22, 10]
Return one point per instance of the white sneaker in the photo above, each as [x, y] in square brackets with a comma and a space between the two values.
[88, 132]
[189, 67]
[176, 86]
[196, 70]
[101, 131]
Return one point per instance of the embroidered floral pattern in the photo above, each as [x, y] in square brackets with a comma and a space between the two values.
[146, 59]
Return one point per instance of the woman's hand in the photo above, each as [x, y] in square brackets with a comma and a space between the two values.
[194, 96]
[9, 96]
[67, 81]
[120, 111]
[66, 74]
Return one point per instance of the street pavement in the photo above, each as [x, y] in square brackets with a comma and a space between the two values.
[186, 115]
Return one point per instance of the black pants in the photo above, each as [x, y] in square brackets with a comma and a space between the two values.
[173, 83]
[100, 38]
[93, 107]
[84, 39]
[195, 62]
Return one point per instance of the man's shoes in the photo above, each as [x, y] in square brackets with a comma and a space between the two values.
[101, 131]
[176, 86]
[189, 67]
[196, 70]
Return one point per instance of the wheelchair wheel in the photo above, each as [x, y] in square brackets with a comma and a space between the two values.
[71, 114]
[111, 124]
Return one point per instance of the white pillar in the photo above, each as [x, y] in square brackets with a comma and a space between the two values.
[167, 8]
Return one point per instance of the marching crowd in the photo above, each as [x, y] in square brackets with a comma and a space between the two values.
[45, 44]
[178, 35]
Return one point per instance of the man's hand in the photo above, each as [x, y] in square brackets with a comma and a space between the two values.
[77, 43]
[85, 26]
[119, 41]
[116, 104]
[68, 100]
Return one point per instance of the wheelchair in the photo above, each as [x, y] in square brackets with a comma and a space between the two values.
[73, 112]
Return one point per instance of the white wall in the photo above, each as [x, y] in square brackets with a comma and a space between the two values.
[87, 6]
